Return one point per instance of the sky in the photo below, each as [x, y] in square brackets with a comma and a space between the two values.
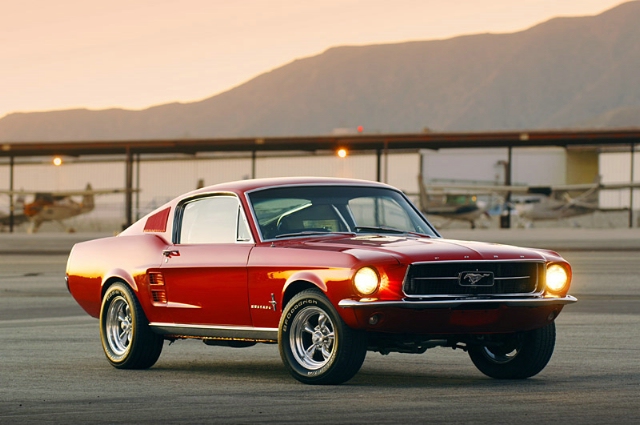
[133, 54]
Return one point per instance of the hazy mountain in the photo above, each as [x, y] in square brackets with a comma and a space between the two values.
[566, 72]
[625, 117]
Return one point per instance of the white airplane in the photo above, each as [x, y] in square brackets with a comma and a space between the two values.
[52, 206]
[533, 203]
[451, 204]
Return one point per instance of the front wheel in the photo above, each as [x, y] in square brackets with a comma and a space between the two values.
[127, 340]
[316, 346]
[516, 356]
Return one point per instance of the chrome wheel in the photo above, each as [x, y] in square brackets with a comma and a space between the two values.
[504, 353]
[127, 340]
[119, 328]
[312, 338]
[316, 345]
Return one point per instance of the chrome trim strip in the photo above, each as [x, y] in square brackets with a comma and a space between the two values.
[458, 296]
[456, 278]
[485, 260]
[455, 303]
[209, 331]
[436, 278]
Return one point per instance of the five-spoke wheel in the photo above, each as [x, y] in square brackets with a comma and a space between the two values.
[315, 344]
[312, 338]
[127, 340]
[118, 325]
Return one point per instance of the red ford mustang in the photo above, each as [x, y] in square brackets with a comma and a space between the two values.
[326, 268]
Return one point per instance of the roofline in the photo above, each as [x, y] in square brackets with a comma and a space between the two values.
[250, 185]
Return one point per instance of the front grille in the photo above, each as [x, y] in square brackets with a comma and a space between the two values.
[509, 277]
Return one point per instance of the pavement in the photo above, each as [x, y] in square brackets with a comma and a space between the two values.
[53, 370]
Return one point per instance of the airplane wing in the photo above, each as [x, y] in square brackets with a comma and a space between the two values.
[65, 193]
[482, 189]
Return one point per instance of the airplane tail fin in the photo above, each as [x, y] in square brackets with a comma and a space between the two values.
[424, 196]
[88, 203]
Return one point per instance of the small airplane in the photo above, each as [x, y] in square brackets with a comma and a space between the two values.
[451, 204]
[18, 217]
[51, 206]
[534, 203]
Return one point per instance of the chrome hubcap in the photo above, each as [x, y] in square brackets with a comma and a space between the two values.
[504, 353]
[119, 328]
[312, 338]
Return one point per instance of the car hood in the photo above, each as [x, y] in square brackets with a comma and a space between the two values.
[408, 249]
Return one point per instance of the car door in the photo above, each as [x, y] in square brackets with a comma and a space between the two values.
[205, 269]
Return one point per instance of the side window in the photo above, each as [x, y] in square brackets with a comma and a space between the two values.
[217, 219]
[244, 234]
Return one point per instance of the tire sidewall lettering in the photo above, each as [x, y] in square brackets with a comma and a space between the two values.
[323, 369]
[293, 310]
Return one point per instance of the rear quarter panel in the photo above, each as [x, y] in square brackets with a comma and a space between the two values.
[93, 263]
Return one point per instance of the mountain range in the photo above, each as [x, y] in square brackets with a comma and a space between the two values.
[579, 72]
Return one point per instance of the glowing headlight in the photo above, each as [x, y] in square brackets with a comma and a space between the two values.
[366, 281]
[556, 278]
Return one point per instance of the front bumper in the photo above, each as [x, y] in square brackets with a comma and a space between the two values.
[453, 316]
[478, 303]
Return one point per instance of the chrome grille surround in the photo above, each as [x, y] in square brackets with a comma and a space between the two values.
[442, 279]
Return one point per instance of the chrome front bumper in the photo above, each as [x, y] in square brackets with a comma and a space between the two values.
[478, 303]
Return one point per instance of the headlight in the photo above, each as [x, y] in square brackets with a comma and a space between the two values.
[557, 278]
[366, 281]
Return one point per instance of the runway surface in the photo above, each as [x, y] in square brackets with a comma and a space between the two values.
[52, 369]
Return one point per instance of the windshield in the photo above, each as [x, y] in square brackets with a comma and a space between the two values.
[304, 210]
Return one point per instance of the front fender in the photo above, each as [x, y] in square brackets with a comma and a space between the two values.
[306, 276]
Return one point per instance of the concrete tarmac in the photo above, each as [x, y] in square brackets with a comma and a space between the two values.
[52, 369]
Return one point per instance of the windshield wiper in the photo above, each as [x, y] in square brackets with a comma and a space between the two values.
[313, 233]
[384, 229]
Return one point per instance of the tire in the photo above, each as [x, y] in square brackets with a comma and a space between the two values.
[127, 340]
[516, 356]
[316, 346]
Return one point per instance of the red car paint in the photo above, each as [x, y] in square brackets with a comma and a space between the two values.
[238, 290]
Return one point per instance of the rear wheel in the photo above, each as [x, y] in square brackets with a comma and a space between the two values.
[316, 346]
[515, 356]
[127, 340]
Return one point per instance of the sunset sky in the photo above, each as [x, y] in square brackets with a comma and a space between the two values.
[133, 54]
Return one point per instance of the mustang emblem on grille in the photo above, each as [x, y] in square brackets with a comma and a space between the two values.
[476, 278]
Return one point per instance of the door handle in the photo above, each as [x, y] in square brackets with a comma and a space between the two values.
[171, 253]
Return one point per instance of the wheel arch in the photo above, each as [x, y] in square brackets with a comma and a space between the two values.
[118, 276]
[301, 281]
[291, 288]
